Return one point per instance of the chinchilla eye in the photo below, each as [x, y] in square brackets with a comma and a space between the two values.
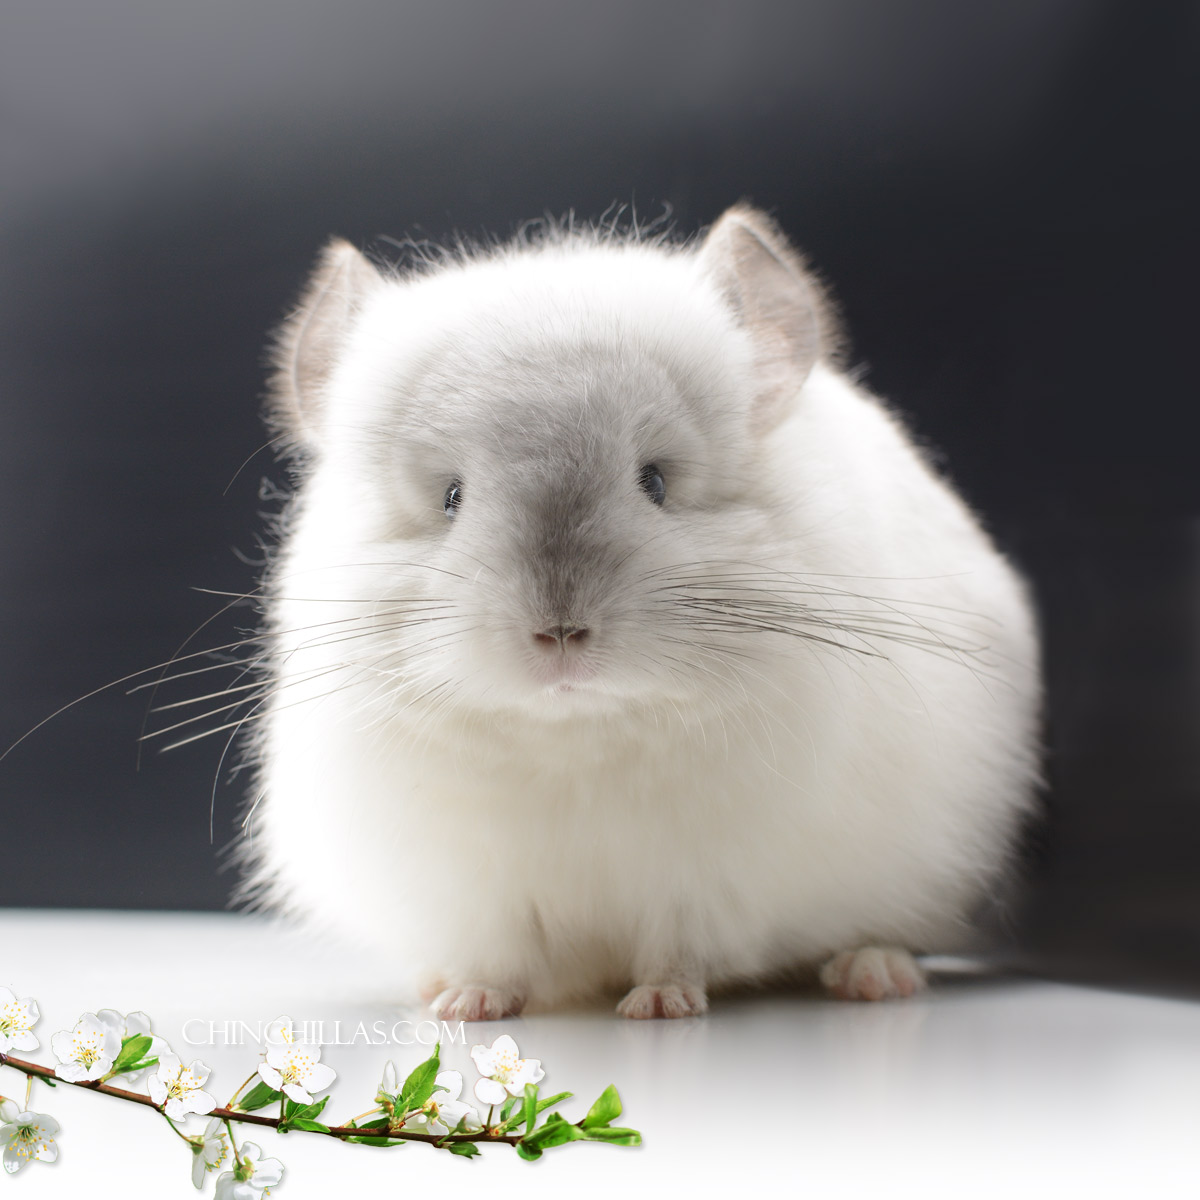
[452, 499]
[651, 482]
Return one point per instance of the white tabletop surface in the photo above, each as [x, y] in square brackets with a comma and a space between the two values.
[982, 1087]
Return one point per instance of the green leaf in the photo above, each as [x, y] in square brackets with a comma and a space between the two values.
[464, 1149]
[605, 1110]
[132, 1049]
[553, 1135]
[507, 1108]
[542, 1105]
[528, 1153]
[259, 1096]
[613, 1134]
[49, 1082]
[556, 1131]
[312, 1126]
[144, 1065]
[301, 1116]
[529, 1111]
[418, 1087]
[373, 1141]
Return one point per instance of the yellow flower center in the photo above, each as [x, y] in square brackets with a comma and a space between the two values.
[12, 1018]
[30, 1141]
[184, 1082]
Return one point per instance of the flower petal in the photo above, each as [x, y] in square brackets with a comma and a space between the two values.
[391, 1081]
[485, 1060]
[453, 1111]
[279, 1031]
[504, 1046]
[199, 1072]
[268, 1172]
[197, 1101]
[529, 1070]
[320, 1077]
[229, 1188]
[490, 1092]
[111, 1019]
[13, 1159]
[270, 1076]
[169, 1065]
[137, 1024]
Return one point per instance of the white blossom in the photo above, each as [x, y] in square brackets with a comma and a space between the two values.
[504, 1072]
[87, 1051]
[25, 1137]
[17, 1019]
[443, 1110]
[180, 1087]
[261, 1174]
[211, 1153]
[293, 1067]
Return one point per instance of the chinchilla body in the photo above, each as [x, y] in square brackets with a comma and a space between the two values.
[620, 640]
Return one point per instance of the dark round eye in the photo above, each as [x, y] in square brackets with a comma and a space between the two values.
[651, 482]
[452, 499]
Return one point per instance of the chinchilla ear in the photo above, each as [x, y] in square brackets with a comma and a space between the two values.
[775, 300]
[307, 344]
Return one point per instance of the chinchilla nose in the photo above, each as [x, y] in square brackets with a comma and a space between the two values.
[561, 637]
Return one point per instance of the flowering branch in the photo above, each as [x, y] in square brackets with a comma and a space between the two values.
[425, 1107]
[252, 1118]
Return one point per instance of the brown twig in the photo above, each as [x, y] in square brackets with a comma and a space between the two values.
[234, 1114]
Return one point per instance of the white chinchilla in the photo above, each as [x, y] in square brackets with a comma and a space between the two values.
[619, 641]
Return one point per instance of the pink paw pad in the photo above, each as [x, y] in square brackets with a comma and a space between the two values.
[477, 1003]
[663, 1000]
[873, 973]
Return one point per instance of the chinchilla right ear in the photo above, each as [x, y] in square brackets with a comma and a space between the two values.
[308, 342]
[776, 299]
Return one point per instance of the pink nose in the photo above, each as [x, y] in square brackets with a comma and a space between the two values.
[561, 637]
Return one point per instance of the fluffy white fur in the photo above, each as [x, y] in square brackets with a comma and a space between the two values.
[802, 721]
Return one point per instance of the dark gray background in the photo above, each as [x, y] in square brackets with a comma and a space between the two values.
[1001, 195]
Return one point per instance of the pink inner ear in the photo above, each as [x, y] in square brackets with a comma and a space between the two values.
[308, 343]
[774, 300]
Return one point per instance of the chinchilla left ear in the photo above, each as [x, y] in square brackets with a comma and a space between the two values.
[775, 300]
[308, 343]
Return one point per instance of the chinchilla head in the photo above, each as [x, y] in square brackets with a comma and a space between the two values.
[532, 462]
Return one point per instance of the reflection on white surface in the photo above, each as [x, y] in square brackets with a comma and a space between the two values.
[981, 1088]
